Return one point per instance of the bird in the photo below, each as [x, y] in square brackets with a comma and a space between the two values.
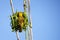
[20, 20]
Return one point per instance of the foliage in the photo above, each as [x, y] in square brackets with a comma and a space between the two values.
[19, 21]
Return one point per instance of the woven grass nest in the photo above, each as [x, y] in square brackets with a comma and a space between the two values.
[19, 21]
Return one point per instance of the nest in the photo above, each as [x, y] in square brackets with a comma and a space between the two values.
[19, 21]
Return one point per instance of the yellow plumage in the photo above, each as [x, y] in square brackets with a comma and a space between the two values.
[20, 14]
[20, 19]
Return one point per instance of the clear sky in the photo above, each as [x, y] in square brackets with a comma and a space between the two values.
[45, 18]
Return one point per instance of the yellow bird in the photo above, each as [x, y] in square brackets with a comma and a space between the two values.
[20, 14]
[20, 19]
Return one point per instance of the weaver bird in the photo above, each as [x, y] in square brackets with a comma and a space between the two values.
[20, 20]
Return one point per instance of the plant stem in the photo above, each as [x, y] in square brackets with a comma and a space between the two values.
[26, 34]
[12, 6]
[17, 35]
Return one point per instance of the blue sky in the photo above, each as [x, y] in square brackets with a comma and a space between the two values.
[45, 18]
